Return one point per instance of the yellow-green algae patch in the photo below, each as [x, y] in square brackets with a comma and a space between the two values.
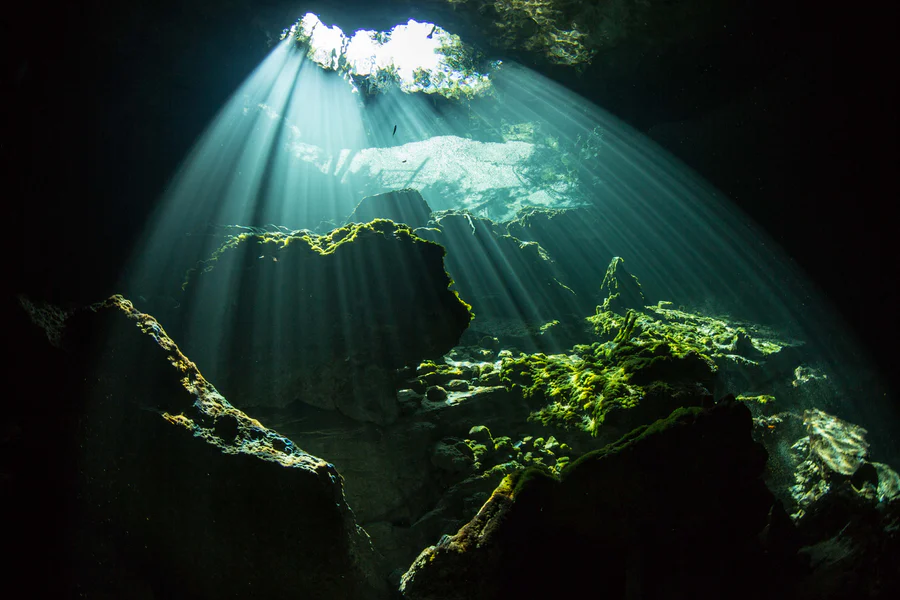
[650, 354]
[279, 245]
[211, 417]
[710, 336]
[581, 390]
[500, 455]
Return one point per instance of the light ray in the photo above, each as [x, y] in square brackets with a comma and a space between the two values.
[297, 147]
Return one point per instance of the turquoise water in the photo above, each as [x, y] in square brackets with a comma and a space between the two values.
[396, 281]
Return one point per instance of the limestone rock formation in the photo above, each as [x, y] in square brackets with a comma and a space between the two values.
[672, 510]
[280, 319]
[845, 506]
[621, 290]
[164, 488]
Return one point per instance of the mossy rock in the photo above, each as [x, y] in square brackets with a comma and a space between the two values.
[657, 362]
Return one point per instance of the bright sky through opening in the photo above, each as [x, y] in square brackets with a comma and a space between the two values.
[415, 53]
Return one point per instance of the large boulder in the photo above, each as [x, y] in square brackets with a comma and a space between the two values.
[159, 487]
[282, 319]
[673, 510]
[845, 506]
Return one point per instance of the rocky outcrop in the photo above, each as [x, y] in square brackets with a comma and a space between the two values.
[280, 319]
[427, 473]
[418, 478]
[845, 506]
[422, 477]
[672, 510]
[166, 489]
[621, 290]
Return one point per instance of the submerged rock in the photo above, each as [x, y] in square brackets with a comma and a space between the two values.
[832, 476]
[326, 321]
[846, 508]
[671, 510]
[621, 290]
[169, 491]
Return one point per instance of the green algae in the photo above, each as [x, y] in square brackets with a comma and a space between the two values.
[304, 243]
[580, 391]
[503, 454]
